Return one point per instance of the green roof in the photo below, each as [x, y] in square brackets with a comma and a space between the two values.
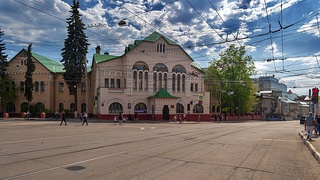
[163, 93]
[103, 57]
[50, 64]
[155, 36]
[151, 38]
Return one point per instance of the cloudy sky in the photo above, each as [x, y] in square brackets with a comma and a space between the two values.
[282, 36]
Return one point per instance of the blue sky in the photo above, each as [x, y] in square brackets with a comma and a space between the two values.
[282, 36]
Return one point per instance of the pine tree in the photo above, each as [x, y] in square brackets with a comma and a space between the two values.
[3, 57]
[29, 82]
[74, 51]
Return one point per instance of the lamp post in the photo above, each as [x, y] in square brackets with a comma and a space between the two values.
[86, 86]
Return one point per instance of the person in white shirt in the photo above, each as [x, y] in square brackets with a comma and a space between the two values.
[85, 117]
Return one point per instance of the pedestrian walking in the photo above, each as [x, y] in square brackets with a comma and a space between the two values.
[81, 116]
[135, 116]
[184, 117]
[174, 118]
[318, 125]
[309, 123]
[56, 115]
[120, 118]
[63, 118]
[115, 120]
[85, 118]
[28, 114]
[180, 118]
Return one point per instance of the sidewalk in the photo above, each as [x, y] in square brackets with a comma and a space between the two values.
[313, 146]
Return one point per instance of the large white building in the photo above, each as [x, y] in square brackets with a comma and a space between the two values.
[155, 78]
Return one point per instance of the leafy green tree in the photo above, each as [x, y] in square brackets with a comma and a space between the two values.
[8, 91]
[230, 77]
[74, 51]
[3, 56]
[5, 93]
[29, 81]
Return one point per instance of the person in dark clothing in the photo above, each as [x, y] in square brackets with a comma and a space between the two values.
[85, 118]
[63, 118]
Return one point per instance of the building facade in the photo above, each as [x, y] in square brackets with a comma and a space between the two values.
[50, 91]
[155, 79]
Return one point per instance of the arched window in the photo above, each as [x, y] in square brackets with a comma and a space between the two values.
[183, 83]
[179, 69]
[165, 78]
[42, 86]
[36, 86]
[161, 47]
[140, 81]
[154, 81]
[13, 85]
[173, 82]
[180, 108]
[218, 108]
[115, 108]
[160, 67]
[198, 108]
[140, 108]
[140, 67]
[146, 81]
[10, 107]
[83, 107]
[178, 82]
[213, 109]
[160, 81]
[40, 107]
[22, 85]
[24, 107]
[61, 107]
[135, 80]
[72, 107]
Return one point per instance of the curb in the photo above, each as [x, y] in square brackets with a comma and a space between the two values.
[311, 148]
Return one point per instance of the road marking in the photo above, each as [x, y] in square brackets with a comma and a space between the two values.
[89, 160]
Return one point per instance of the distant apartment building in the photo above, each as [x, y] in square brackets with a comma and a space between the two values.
[270, 83]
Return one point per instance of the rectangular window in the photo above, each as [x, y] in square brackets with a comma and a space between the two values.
[125, 83]
[42, 86]
[36, 88]
[21, 62]
[196, 87]
[118, 83]
[83, 87]
[106, 83]
[112, 84]
[61, 87]
[22, 86]
[191, 87]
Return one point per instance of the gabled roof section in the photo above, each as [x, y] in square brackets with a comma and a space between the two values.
[155, 36]
[162, 93]
[151, 38]
[99, 58]
[50, 64]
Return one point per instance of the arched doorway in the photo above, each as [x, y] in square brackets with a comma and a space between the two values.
[165, 113]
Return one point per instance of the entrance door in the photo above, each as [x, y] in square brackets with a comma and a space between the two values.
[165, 113]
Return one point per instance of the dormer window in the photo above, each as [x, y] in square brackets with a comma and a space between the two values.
[161, 47]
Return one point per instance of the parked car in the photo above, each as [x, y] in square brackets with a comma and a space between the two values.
[302, 119]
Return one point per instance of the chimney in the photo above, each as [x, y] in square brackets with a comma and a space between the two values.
[98, 49]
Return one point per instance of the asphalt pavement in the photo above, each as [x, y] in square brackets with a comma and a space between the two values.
[313, 146]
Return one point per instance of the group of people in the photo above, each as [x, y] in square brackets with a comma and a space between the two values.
[62, 115]
[311, 123]
[122, 119]
[179, 118]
